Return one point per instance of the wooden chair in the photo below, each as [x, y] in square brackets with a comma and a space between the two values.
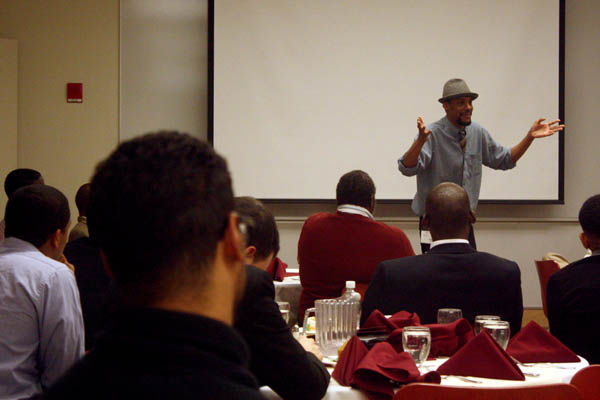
[559, 391]
[545, 268]
[587, 381]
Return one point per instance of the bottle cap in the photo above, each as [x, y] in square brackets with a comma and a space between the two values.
[350, 284]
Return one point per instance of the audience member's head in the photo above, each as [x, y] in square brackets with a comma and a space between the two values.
[82, 199]
[356, 188]
[589, 219]
[262, 237]
[40, 215]
[448, 214]
[183, 250]
[21, 177]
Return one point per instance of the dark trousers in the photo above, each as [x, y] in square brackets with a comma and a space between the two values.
[425, 246]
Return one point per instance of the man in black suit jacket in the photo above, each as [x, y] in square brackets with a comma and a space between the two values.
[451, 274]
[289, 366]
[573, 293]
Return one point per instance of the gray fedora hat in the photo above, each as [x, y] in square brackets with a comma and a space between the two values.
[456, 88]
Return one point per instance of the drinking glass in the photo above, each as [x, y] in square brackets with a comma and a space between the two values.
[480, 319]
[416, 341]
[284, 308]
[448, 315]
[499, 330]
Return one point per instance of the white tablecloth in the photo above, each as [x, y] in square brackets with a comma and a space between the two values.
[549, 373]
[289, 290]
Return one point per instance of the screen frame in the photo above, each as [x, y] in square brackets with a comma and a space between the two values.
[561, 116]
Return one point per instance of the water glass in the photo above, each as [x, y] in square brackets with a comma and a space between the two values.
[284, 309]
[480, 319]
[499, 330]
[448, 315]
[416, 341]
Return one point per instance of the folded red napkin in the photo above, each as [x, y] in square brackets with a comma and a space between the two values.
[379, 372]
[277, 269]
[352, 355]
[446, 339]
[379, 322]
[484, 358]
[534, 344]
[405, 318]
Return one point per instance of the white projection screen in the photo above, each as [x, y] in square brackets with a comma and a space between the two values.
[305, 91]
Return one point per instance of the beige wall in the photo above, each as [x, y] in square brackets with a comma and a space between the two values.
[8, 110]
[64, 41]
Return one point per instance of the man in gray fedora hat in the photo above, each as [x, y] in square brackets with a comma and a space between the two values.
[454, 148]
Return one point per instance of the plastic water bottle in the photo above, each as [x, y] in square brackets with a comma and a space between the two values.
[352, 315]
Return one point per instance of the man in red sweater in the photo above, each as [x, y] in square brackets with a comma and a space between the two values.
[346, 245]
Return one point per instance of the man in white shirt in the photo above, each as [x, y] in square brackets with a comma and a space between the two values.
[41, 328]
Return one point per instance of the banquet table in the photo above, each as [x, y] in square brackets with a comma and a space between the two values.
[548, 373]
[289, 290]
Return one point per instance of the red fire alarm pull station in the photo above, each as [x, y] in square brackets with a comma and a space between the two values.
[74, 92]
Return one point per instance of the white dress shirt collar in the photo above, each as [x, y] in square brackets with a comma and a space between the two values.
[353, 209]
[447, 241]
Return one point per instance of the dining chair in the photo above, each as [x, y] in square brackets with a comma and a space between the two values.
[587, 381]
[559, 391]
[545, 268]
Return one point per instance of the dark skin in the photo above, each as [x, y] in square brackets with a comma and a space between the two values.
[589, 241]
[448, 199]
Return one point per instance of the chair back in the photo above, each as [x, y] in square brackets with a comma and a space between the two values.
[558, 258]
[545, 268]
[559, 391]
[587, 381]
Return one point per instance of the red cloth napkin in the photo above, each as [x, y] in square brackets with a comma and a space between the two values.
[383, 367]
[446, 339]
[534, 344]
[378, 322]
[352, 355]
[277, 269]
[484, 358]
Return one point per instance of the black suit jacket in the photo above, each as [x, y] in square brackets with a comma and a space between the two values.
[573, 300]
[448, 276]
[277, 359]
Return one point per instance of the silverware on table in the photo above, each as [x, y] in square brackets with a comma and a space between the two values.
[462, 378]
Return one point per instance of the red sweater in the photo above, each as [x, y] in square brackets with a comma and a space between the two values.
[340, 247]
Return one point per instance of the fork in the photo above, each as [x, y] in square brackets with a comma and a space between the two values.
[462, 378]
[531, 374]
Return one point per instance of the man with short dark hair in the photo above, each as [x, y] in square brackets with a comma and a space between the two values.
[452, 274]
[178, 271]
[262, 236]
[41, 329]
[82, 198]
[17, 179]
[346, 245]
[573, 292]
[290, 367]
